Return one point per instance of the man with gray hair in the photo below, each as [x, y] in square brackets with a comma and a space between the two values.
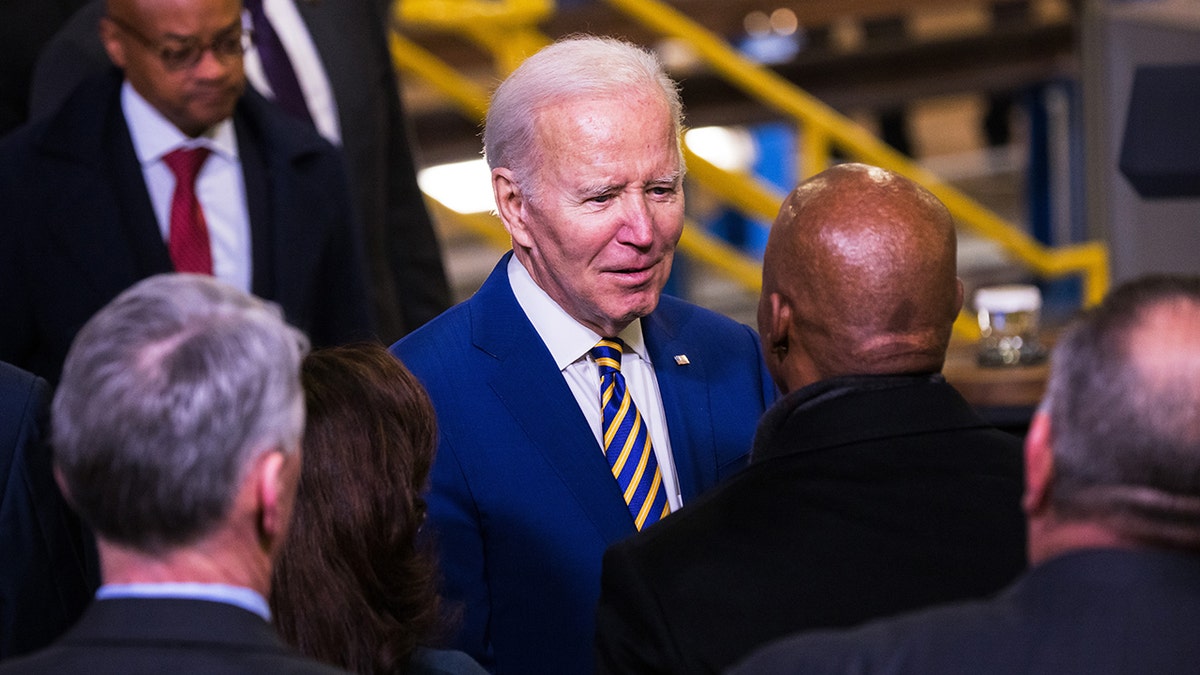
[176, 429]
[575, 405]
[1112, 493]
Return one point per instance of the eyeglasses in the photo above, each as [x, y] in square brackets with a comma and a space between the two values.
[184, 53]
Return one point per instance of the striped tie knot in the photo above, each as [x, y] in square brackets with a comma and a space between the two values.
[607, 353]
[627, 439]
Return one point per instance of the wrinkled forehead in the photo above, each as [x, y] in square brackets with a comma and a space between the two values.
[630, 134]
[614, 112]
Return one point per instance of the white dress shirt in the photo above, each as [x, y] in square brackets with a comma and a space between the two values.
[569, 343]
[306, 62]
[219, 186]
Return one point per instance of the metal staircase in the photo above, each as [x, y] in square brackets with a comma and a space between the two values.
[507, 31]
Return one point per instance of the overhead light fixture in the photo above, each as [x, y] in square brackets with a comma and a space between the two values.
[465, 187]
[730, 148]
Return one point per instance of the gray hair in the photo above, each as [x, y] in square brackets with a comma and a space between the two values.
[1126, 432]
[168, 395]
[575, 67]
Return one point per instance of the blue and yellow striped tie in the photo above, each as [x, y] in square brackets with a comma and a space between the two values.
[627, 440]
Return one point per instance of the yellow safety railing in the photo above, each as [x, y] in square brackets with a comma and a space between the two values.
[741, 191]
[504, 27]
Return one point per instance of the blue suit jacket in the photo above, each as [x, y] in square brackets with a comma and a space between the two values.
[48, 565]
[523, 503]
[79, 227]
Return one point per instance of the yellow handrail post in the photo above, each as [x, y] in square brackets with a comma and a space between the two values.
[817, 119]
[814, 151]
[409, 57]
[506, 29]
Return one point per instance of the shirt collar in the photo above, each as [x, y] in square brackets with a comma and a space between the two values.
[567, 339]
[154, 135]
[239, 596]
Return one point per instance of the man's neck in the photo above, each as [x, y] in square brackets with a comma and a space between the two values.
[1051, 537]
[200, 563]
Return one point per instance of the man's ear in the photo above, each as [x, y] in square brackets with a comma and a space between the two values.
[1039, 465]
[511, 205]
[958, 297]
[777, 331]
[112, 42]
[275, 477]
[62, 487]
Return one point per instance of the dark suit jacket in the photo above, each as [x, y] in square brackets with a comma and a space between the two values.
[79, 227]
[523, 503]
[1092, 612]
[176, 636]
[865, 497]
[48, 567]
[404, 259]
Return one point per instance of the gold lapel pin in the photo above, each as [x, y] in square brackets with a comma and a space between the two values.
[681, 360]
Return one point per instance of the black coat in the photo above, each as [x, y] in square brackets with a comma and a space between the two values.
[1093, 612]
[78, 226]
[404, 259]
[865, 497]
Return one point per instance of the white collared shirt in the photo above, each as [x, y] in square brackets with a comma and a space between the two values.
[219, 186]
[306, 62]
[569, 343]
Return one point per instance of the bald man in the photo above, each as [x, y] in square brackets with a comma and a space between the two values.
[873, 487]
[1113, 501]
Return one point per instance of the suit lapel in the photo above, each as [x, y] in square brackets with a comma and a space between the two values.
[533, 390]
[687, 403]
[100, 145]
[273, 147]
[257, 179]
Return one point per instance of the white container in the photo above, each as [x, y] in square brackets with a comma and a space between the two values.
[1008, 325]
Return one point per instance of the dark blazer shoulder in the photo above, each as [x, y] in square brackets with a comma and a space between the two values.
[176, 635]
[280, 134]
[77, 128]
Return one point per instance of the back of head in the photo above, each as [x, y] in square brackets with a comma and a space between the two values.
[351, 587]
[168, 394]
[866, 261]
[1124, 406]
[575, 67]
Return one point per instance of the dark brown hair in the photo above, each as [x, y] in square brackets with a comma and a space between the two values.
[352, 587]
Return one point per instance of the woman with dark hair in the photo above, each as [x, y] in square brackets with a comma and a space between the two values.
[352, 586]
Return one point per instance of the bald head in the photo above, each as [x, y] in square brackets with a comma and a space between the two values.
[1115, 447]
[858, 278]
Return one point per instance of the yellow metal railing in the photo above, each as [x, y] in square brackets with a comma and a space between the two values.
[504, 27]
[739, 190]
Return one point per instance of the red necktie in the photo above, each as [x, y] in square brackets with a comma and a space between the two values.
[188, 239]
